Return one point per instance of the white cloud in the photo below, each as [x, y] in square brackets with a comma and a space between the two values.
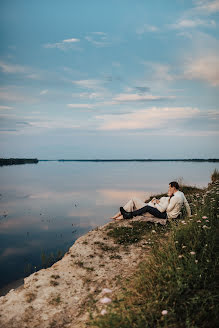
[158, 71]
[192, 23]
[147, 28]
[6, 107]
[204, 68]
[207, 6]
[28, 72]
[80, 105]
[98, 39]
[91, 95]
[124, 97]
[71, 40]
[152, 118]
[15, 95]
[12, 68]
[63, 45]
[44, 92]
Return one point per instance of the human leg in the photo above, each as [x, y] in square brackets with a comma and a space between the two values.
[146, 209]
[133, 204]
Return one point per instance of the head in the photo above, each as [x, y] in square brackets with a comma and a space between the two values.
[173, 187]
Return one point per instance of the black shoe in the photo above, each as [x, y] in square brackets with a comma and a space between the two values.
[126, 215]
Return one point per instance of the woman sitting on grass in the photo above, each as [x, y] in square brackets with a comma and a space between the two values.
[135, 204]
[170, 210]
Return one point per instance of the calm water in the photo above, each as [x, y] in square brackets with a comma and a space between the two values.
[47, 206]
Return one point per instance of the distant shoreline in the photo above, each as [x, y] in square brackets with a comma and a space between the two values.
[19, 161]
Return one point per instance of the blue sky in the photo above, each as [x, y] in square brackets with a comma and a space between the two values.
[109, 79]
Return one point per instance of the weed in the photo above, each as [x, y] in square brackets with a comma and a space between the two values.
[176, 285]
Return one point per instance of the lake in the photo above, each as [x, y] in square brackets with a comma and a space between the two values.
[45, 207]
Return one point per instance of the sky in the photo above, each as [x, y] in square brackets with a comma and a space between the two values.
[82, 79]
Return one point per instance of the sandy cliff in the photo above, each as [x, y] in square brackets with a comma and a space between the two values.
[64, 294]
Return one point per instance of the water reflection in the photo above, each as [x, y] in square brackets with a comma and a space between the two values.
[46, 207]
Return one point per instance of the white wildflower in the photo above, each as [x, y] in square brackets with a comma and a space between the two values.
[105, 300]
[192, 253]
[164, 312]
[106, 291]
[103, 312]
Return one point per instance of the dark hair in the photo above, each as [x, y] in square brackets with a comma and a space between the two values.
[174, 184]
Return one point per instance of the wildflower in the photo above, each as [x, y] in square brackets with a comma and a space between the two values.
[153, 231]
[196, 261]
[164, 312]
[180, 256]
[184, 246]
[204, 217]
[106, 290]
[198, 221]
[205, 227]
[103, 312]
[192, 253]
[105, 300]
[176, 241]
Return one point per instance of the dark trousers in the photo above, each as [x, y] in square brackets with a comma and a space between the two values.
[149, 209]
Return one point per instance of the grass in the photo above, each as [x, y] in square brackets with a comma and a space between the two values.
[215, 175]
[175, 287]
[134, 233]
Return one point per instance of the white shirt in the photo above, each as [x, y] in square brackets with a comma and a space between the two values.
[162, 205]
[175, 205]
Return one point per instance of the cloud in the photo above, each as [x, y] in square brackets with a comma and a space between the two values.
[152, 118]
[94, 86]
[204, 68]
[28, 72]
[12, 68]
[98, 39]
[44, 92]
[158, 71]
[12, 123]
[90, 95]
[63, 45]
[207, 6]
[71, 40]
[147, 28]
[6, 107]
[12, 95]
[80, 105]
[187, 23]
[124, 97]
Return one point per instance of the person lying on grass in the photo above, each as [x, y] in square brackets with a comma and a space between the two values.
[164, 208]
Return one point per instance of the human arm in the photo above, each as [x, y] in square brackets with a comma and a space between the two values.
[162, 204]
[172, 203]
[188, 210]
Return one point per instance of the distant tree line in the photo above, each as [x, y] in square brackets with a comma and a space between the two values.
[14, 161]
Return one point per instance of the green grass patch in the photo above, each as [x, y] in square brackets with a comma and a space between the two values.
[175, 287]
[134, 233]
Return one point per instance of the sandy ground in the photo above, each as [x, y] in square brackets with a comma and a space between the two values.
[63, 295]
